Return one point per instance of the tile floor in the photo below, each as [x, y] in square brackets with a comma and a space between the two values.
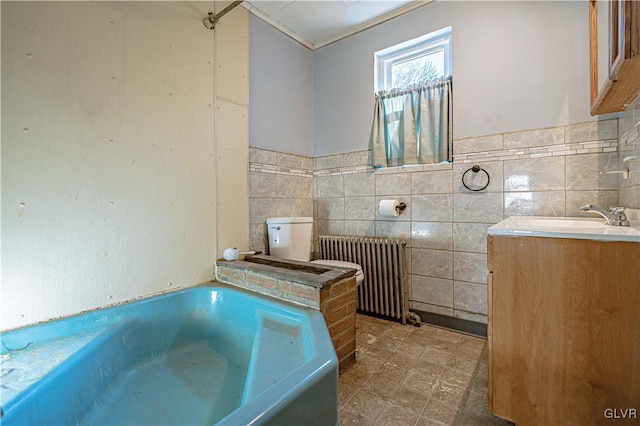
[406, 375]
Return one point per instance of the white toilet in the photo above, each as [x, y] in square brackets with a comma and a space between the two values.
[290, 238]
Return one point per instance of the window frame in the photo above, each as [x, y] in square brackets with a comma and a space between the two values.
[411, 49]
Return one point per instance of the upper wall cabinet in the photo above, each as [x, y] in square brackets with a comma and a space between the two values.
[615, 54]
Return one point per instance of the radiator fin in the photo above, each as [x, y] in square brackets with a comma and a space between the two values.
[384, 290]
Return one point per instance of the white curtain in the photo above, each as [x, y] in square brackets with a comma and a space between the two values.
[413, 125]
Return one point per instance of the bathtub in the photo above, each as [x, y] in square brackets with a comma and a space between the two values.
[205, 355]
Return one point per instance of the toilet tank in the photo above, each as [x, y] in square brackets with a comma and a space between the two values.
[290, 237]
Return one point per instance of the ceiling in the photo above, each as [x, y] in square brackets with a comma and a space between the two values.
[319, 23]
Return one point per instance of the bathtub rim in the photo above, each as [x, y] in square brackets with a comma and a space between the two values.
[263, 406]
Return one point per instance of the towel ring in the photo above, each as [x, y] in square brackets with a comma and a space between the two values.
[475, 169]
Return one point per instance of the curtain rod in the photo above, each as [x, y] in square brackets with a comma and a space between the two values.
[211, 20]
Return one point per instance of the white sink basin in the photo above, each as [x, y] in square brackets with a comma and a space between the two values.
[564, 222]
[566, 227]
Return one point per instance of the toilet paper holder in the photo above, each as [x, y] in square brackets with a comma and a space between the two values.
[390, 208]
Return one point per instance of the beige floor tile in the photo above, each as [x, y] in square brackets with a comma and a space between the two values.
[383, 385]
[449, 393]
[471, 419]
[399, 360]
[366, 404]
[386, 342]
[478, 404]
[441, 412]
[410, 348]
[376, 352]
[423, 421]
[447, 335]
[480, 379]
[437, 356]
[468, 352]
[423, 383]
[345, 392]
[410, 399]
[354, 376]
[396, 416]
[405, 375]
[443, 345]
[350, 418]
[464, 365]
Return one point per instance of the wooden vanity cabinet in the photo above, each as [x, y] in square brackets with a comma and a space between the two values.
[622, 82]
[564, 330]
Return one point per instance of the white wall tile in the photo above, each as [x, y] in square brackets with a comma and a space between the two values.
[547, 203]
[330, 186]
[360, 208]
[360, 228]
[434, 291]
[575, 199]
[537, 174]
[330, 208]
[292, 186]
[470, 267]
[388, 229]
[470, 237]
[592, 131]
[537, 137]
[476, 180]
[477, 207]
[584, 172]
[432, 208]
[478, 144]
[470, 297]
[393, 184]
[432, 235]
[436, 182]
[432, 263]
[359, 184]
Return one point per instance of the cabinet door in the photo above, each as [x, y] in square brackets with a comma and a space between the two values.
[615, 45]
[564, 323]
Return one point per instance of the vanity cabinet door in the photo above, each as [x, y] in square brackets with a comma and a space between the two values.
[620, 84]
[564, 329]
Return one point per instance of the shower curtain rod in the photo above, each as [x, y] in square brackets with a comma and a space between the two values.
[211, 20]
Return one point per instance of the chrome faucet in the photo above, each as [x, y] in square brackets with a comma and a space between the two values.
[615, 216]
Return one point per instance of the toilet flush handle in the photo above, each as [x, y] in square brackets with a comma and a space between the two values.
[276, 239]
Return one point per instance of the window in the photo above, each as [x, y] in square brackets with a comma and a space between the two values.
[414, 61]
[413, 109]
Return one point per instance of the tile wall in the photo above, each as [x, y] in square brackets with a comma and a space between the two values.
[280, 185]
[547, 172]
[629, 146]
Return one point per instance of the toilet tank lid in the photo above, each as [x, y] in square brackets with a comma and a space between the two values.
[289, 220]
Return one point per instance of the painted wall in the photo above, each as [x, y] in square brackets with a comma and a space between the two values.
[516, 66]
[232, 128]
[108, 177]
[281, 91]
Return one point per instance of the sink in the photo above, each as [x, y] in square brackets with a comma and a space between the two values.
[566, 227]
[548, 222]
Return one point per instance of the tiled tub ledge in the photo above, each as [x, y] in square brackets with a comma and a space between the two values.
[331, 290]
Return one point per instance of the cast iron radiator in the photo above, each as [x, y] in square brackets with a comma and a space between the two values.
[383, 261]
